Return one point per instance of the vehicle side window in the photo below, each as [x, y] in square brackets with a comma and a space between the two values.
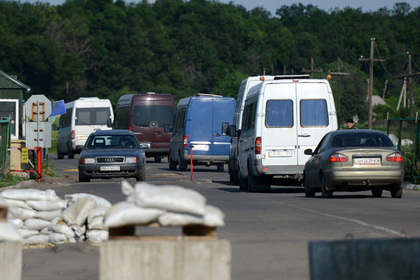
[279, 113]
[65, 119]
[313, 112]
[179, 121]
[322, 145]
[92, 116]
[122, 115]
[249, 114]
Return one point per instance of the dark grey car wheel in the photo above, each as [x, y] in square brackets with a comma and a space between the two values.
[325, 192]
[308, 191]
[243, 184]
[82, 178]
[377, 192]
[142, 176]
[396, 192]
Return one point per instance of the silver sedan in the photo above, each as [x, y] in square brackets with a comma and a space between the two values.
[354, 160]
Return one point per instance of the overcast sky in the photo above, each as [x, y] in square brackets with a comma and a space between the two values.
[273, 5]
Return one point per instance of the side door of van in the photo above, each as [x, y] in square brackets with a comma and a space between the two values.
[223, 110]
[315, 115]
[279, 125]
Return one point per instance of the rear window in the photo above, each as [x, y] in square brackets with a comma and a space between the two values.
[92, 116]
[153, 116]
[279, 113]
[361, 140]
[313, 112]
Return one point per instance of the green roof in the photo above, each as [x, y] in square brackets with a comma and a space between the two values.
[10, 82]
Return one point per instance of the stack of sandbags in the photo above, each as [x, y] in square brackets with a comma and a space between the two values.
[32, 211]
[168, 205]
[8, 231]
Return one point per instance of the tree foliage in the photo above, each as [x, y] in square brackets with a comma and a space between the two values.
[108, 48]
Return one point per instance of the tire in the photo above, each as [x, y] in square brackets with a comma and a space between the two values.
[308, 191]
[83, 178]
[172, 164]
[242, 182]
[70, 154]
[325, 193]
[256, 183]
[142, 176]
[181, 164]
[396, 192]
[220, 167]
[158, 159]
[60, 155]
[377, 192]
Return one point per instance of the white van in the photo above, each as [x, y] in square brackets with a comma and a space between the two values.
[244, 88]
[282, 118]
[82, 117]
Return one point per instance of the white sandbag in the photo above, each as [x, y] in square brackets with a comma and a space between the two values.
[100, 201]
[97, 223]
[172, 219]
[9, 233]
[126, 213]
[29, 194]
[76, 214]
[2, 200]
[170, 198]
[36, 224]
[26, 233]
[36, 239]
[18, 203]
[97, 236]
[20, 213]
[79, 231]
[17, 222]
[48, 215]
[76, 239]
[59, 226]
[46, 231]
[213, 217]
[97, 212]
[57, 238]
[47, 205]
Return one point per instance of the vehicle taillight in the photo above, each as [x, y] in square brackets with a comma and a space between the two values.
[394, 157]
[73, 135]
[130, 129]
[186, 141]
[258, 146]
[338, 158]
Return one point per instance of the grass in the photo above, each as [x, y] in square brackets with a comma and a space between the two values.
[9, 179]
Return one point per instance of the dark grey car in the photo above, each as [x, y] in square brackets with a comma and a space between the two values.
[112, 154]
[354, 160]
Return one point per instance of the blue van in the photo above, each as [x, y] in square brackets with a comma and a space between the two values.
[201, 123]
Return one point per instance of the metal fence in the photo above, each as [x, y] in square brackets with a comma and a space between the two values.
[404, 133]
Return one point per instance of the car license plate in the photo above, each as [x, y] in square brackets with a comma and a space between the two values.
[280, 153]
[367, 161]
[200, 147]
[110, 168]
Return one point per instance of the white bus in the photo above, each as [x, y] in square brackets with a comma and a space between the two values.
[82, 117]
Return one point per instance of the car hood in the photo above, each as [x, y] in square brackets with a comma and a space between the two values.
[110, 152]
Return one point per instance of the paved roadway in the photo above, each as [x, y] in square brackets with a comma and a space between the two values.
[269, 232]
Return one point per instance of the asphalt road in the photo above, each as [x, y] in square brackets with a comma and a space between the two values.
[269, 232]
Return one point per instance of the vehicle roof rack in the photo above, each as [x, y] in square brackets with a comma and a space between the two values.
[284, 77]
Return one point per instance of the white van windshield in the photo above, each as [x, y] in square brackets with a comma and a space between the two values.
[92, 116]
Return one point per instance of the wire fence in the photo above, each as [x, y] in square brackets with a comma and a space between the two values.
[404, 133]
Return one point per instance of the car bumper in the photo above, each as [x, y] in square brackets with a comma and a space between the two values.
[126, 171]
[205, 159]
[363, 179]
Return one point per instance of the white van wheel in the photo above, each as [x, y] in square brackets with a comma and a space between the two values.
[242, 182]
[158, 159]
[70, 154]
[182, 164]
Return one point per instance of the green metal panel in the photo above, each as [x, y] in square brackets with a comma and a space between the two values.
[4, 144]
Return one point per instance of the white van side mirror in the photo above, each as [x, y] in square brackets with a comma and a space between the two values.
[308, 152]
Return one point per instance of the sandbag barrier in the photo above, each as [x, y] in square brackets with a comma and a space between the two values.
[41, 217]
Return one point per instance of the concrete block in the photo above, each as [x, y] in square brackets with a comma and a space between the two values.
[165, 260]
[383, 259]
[10, 260]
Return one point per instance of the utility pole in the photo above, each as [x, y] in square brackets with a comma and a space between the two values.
[339, 74]
[371, 61]
[312, 71]
[409, 76]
